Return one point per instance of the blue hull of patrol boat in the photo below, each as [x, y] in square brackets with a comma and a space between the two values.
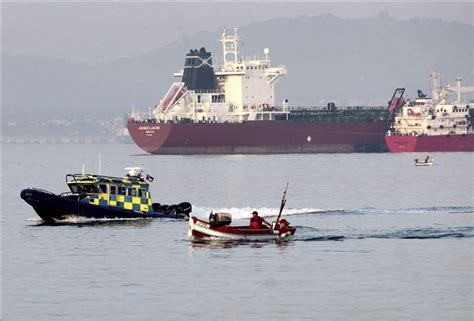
[51, 208]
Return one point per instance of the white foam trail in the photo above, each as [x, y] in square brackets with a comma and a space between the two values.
[79, 220]
[35, 220]
[246, 212]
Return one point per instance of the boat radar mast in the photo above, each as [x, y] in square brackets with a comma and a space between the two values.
[230, 45]
[440, 92]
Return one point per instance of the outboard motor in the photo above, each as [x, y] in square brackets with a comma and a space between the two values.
[163, 209]
[185, 208]
[220, 219]
[156, 207]
[172, 209]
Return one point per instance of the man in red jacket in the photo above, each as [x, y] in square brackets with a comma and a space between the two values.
[258, 222]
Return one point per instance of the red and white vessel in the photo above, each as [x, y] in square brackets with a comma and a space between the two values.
[230, 108]
[218, 228]
[431, 124]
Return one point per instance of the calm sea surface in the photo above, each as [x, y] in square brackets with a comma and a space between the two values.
[377, 239]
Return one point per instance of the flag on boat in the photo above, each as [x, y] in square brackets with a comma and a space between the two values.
[149, 178]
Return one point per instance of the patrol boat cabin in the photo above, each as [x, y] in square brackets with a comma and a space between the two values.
[130, 192]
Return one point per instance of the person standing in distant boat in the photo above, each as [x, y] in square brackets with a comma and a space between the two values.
[427, 159]
[258, 222]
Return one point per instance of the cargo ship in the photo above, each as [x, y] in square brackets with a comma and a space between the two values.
[230, 109]
[431, 124]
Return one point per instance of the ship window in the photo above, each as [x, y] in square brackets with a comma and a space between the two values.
[122, 190]
[141, 193]
[113, 189]
[103, 188]
[88, 189]
[132, 191]
[74, 188]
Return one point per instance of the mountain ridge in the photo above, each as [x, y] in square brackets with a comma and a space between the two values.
[346, 60]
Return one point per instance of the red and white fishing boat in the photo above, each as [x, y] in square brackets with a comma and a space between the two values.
[219, 228]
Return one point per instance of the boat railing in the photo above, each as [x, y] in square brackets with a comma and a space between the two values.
[42, 190]
[65, 194]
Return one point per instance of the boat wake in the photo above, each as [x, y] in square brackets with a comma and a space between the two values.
[82, 221]
[245, 212]
[309, 234]
[415, 210]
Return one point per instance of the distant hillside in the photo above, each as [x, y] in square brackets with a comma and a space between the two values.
[328, 58]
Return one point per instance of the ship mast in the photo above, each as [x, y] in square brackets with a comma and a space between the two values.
[439, 92]
[460, 89]
[230, 44]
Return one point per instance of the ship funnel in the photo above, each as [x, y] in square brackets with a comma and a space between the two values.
[198, 71]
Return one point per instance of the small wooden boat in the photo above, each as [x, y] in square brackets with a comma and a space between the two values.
[219, 228]
[102, 197]
[428, 162]
[424, 164]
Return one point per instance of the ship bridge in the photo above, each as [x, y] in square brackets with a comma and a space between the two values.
[239, 89]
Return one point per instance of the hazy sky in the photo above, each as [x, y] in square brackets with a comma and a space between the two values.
[99, 32]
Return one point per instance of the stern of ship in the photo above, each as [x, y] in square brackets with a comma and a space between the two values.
[149, 136]
[401, 144]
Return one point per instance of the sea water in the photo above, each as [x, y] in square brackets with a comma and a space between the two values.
[377, 239]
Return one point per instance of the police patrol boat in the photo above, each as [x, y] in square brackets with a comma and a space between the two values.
[103, 197]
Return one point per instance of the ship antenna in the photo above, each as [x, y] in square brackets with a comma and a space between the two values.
[230, 47]
[83, 168]
[99, 164]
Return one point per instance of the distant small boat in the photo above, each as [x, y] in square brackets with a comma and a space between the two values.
[424, 164]
[428, 162]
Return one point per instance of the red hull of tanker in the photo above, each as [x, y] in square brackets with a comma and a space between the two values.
[258, 137]
[451, 143]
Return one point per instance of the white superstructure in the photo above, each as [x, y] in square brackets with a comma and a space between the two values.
[435, 115]
[244, 90]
